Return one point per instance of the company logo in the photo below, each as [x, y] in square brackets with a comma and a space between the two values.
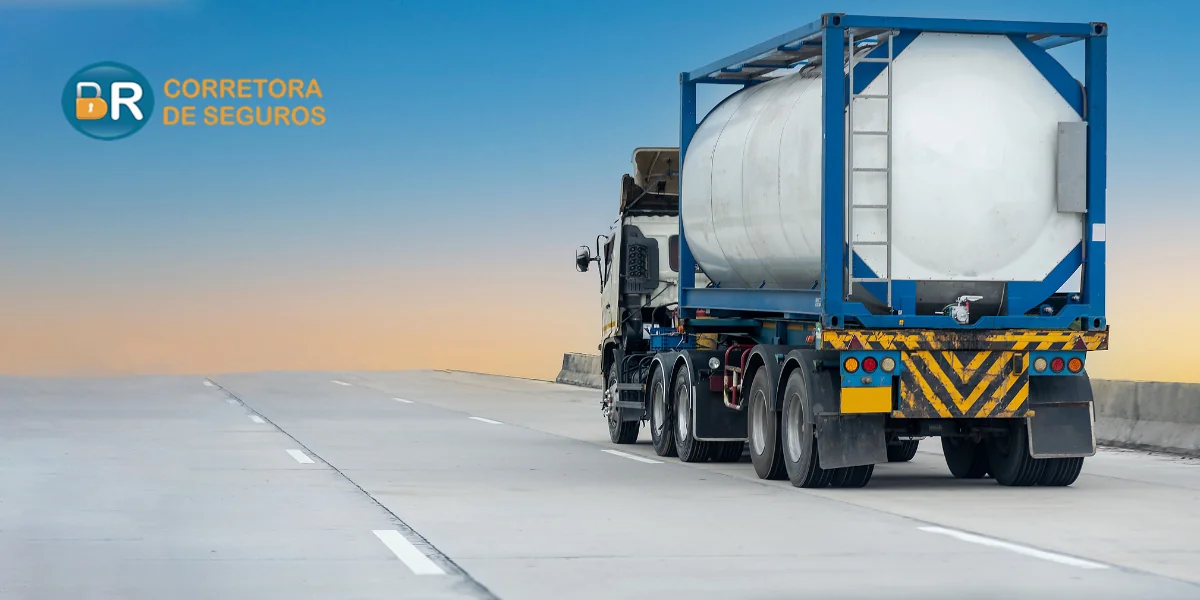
[108, 101]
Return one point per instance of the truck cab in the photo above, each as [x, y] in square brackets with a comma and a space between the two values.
[638, 265]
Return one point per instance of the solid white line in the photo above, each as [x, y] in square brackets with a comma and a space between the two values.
[257, 419]
[300, 457]
[339, 382]
[1027, 551]
[412, 558]
[208, 383]
[403, 400]
[483, 420]
[632, 457]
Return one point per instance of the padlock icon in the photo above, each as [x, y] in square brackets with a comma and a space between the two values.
[89, 109]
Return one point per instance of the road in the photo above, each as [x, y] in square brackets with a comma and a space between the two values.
[437, 484]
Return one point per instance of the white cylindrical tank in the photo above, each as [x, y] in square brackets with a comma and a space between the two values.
[974, 140]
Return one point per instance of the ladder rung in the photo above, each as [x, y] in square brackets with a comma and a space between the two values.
[873, 60]
[868, 243]
[868, 206]
[870, 169]
[872, 96]
[869, 132]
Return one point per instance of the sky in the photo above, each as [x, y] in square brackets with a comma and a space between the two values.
[469, 148]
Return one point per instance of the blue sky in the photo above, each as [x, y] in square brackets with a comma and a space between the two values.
[459, 134]
[509, 111]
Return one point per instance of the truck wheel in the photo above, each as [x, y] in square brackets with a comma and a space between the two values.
[967, 459]
[1061, 472]
[799, 442]
[851, 477]
[619, 432]
[690, 449]
[727, 451]
[762, 425]
[662, 426]
[1009, 459]
[902, 450]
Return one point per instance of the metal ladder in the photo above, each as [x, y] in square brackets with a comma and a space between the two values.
[851, 169]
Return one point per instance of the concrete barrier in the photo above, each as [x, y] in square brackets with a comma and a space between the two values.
[1150, 415]
[582, 370]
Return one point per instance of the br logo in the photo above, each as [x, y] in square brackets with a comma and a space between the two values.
[108, 101]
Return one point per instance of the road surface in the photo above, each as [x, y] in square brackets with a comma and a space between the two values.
[452, 485]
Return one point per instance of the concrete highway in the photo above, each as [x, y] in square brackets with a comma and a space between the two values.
[454, 485]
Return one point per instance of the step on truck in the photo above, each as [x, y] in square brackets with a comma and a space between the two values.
[892, 229]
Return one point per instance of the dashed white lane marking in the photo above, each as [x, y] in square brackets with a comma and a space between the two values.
[403, 400]
[1061, 559]
[300, 457]
[412, 558]
[489, 421]
[340, 382]
[257, 419]
[632, 457]
[207, 383]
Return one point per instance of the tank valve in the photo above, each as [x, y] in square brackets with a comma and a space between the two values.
[961, 309]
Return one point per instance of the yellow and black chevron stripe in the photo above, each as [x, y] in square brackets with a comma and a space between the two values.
[924, 339]
[964, 384]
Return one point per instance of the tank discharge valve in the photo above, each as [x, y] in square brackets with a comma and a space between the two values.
[961, 309]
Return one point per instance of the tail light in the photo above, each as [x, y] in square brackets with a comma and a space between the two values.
[888, 364]
[1057, 364]
[1075, 365]
[851, 365]
[869, 364]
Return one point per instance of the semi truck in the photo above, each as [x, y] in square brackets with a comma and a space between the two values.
[893, 229]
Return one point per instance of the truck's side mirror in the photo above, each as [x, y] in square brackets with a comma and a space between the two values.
[583, 257]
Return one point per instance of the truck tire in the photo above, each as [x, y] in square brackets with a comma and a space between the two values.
[619, 432]
[967, 459]
[799, 442]
[727, 452]
[902, 450]
[851, 477]
[690, 449]
[662, 423]
[762, 429]
[1061, 472]
[1009, 459]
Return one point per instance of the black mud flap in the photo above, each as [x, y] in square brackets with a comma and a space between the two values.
[1061, 425]
[851, 440]
[712, 421]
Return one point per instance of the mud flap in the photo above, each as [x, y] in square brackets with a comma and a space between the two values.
[1062, 421]
[1062, 431]
[851, 440]
[712, 421]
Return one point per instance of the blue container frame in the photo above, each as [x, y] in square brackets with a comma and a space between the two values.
[826, 303]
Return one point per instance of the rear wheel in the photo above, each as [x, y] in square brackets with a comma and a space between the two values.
[966, 458]
[902, 450]
[727, 451]
[851, 477]
[619, 432]
[1009, 459]
[763, 429]
[799, 443]
[690, 449]
[1061, 472]
[662, 425]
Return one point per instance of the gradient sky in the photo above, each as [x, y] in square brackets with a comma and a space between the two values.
[469, 148]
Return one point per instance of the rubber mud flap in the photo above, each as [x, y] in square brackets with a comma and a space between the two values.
[851, 440]
[1062, 431]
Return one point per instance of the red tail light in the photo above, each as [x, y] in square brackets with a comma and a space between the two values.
[869, 364]
[1057, 364]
